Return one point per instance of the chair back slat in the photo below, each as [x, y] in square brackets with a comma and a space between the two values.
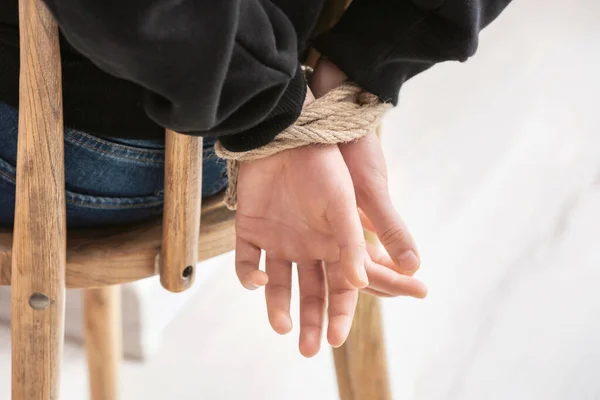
[181, 220]
[39, 239]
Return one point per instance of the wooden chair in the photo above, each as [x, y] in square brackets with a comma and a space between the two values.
[39, 259]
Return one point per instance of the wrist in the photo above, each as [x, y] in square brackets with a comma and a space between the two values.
[325, 77]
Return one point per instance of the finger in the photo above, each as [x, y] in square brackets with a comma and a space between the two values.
[342, 304]
[278, 293]
[377, 253]
[311, 281]
[376, 293]
[385, 280]
[247, 259]
[348, 234]
[392, 232]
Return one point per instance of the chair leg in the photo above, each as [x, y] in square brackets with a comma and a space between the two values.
[360, 363]
[37, 331]
[103, 340]
[39, 240]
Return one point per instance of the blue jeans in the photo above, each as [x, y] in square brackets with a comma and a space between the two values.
[108, 181]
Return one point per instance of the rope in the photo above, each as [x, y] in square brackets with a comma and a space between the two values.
[344, 114]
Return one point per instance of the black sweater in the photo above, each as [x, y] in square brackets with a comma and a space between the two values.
[230, 68]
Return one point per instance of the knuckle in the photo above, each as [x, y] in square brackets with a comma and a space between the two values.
[312, 300]
[276, 254]
[394, 233]
[398, 283]
[278, 289]
[341, 313]
[342, 292]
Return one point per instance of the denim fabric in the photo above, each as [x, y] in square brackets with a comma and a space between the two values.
[108, 181]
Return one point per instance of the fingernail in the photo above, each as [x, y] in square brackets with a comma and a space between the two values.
[252, 286]
[408, 261]
[424, 291]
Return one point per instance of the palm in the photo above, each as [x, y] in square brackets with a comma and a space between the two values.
[287, 198]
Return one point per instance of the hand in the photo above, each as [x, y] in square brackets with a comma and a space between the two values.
[366, 164]
[301, 192]
[299, 206]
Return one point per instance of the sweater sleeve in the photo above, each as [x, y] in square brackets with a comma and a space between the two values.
[380, 44]
[226, 68]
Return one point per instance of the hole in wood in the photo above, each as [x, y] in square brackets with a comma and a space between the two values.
[39, 301]
[188, 272]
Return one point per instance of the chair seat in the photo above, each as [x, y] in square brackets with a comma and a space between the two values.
[116, 255]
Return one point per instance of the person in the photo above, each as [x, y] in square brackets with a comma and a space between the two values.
[231, 70]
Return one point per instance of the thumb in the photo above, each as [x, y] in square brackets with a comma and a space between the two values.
[367, 166]
[392, 231]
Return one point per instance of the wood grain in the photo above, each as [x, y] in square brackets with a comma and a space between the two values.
[103, 340]
[39, 247]
[360, 364]
[122, 254]
[181, 218]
